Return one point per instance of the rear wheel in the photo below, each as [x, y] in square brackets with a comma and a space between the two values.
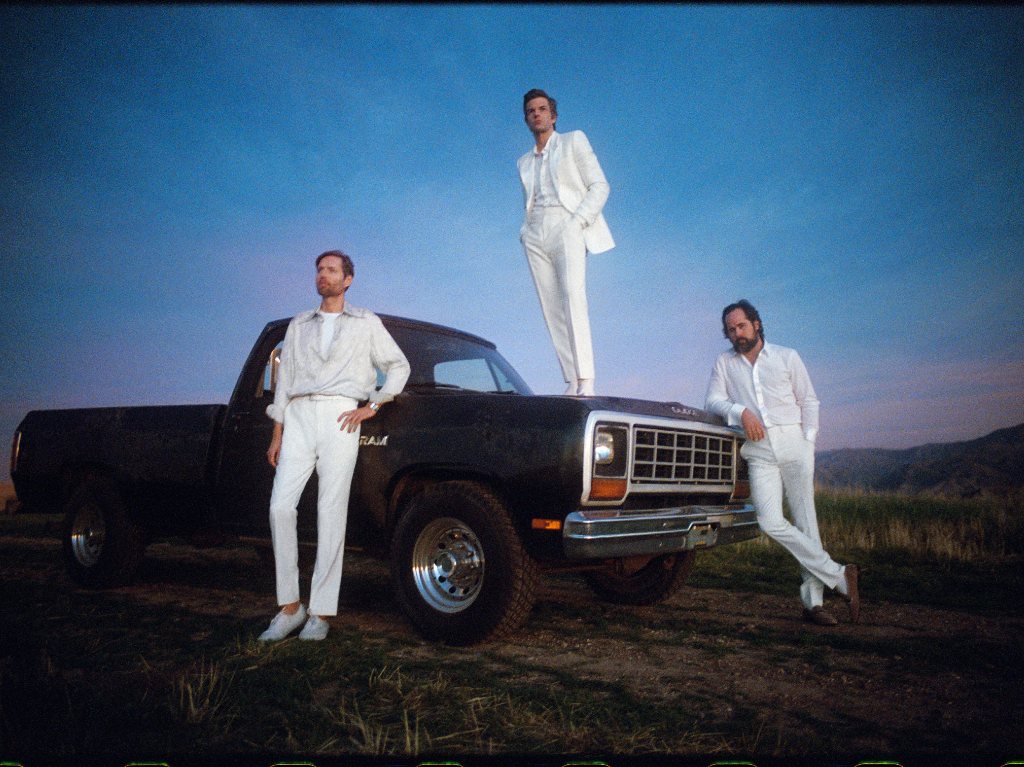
[102, 545]
[655, 581]
[459, 569]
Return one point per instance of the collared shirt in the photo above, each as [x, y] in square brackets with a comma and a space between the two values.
[776, 388]
[544, 193]
[361, 346]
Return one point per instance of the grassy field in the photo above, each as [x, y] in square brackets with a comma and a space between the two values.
[924, 550]
[169, 667]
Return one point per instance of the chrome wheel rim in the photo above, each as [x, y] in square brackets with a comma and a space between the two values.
[88, 535]
[448, 565]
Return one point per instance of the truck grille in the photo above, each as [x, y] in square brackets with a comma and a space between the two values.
[674, 456]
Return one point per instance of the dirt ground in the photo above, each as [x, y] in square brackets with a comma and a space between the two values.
[906, 680]
[909, 679]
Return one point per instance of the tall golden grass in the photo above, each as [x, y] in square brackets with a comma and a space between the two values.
[921, 527]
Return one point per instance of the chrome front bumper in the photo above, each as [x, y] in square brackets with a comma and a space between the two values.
[603, 533]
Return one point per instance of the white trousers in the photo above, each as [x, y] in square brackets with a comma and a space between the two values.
[313, 439]
[782, 464]
[557, 255]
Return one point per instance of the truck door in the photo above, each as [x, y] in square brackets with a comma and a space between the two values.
[246, 478]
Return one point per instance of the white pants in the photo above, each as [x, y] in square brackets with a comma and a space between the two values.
[313, 439]
[557, 256]
[783, 464]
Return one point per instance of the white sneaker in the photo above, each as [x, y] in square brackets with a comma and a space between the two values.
[283, 625]
[316, 628]
[585, 387]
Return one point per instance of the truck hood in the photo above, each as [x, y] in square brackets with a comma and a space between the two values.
[545, 405]
[648, 407]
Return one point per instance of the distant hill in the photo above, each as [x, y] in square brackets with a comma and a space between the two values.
[991, 465]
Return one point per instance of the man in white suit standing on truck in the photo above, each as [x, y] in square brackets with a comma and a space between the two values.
[564, 192]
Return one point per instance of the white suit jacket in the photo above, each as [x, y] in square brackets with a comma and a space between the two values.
[579, 181]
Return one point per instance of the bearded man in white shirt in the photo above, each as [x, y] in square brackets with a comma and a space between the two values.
[328, 365]
[765, 389]
[564, 190]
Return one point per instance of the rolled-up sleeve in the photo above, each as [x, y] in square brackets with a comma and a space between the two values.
[390, 360]
[717, 399]
[285, 375]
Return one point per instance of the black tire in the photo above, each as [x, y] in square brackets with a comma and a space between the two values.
[654, 582]
[458, 566]
[102, 545]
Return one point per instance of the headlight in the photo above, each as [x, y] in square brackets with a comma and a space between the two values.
[604, 448]
[611, 445]
[611, 461]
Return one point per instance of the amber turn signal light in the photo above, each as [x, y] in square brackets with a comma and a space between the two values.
[607, 489]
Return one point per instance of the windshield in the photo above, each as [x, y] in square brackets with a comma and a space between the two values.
[444, 361]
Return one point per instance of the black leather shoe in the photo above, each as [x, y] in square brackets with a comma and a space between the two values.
[819, 616]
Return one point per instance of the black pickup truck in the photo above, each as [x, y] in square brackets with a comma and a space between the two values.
[467, 483]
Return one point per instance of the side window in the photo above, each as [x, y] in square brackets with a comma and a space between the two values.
[268, 385]
[504, 383]
[472, 374]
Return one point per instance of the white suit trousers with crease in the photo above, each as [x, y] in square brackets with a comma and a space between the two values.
[782, 464]
[557, 255]
[313, 439]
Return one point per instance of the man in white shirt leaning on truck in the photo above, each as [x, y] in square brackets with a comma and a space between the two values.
[328, 365]
[765, 389]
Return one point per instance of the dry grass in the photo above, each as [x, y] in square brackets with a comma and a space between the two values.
[202, 690]
[924, 528]
[405, 712]
[919, 528]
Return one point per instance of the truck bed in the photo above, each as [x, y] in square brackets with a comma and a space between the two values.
[161, 452]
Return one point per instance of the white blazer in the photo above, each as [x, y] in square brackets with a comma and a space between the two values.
[579, 181]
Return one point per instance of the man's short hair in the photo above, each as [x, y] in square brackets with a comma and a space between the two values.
[537, 93]
[348, 269]
[748, 310]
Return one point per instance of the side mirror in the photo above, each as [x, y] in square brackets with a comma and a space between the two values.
[268, 383]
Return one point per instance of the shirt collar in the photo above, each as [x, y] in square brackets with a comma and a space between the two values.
[547, 146]
[318, 315]
[764, 351]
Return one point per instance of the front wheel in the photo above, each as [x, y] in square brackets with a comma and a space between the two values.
[655, 581]
[102, 546]
[458, 566]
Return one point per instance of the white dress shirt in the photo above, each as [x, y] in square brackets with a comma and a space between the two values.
[360, 346]
[776, 388]
[544, 193]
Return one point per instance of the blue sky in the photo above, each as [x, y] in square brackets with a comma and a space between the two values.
[169, 174]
